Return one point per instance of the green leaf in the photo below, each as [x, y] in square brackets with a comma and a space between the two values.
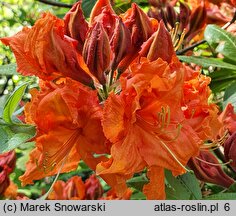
[182, 187]
[207, 62]
[87, 6]
[222, 79]
[138, 195]
[137, 182]
[8, 70]
[219, 86]
[223, 74]
[12, 136]
[12, 103]
[223, 41]
[232, 188]
[222, 196]
[230, 95]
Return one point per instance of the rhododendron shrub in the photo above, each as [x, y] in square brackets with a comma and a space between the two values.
[114, 94]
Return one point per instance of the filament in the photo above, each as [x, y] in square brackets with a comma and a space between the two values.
[218, 143]
[180, 40]
[214, 164]
[50, 161]
[173, 155]
[58, 173]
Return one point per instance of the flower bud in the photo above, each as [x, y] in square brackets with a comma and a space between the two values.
[4, 179]
[72, 189]
[98, 8]
[171, 15]
[197, 21]
[141, 28]
[230, 150]
[108, 20]
[76, 26]
[184, 15]
[8, 159]
[75, 188]
[120, 42]
[210, 170]
[159, 45]
[139, 25]
[157, 3]
[97, 52]
[93, 188]
[228, 119]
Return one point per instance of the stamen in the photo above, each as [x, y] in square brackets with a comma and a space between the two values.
[181, 39]
[168, 116]
[179, 127]
[192, 113]
[44, 197]
[173, 155]
[174, 31]
[214, 164]
[50, 161]
[218, 143]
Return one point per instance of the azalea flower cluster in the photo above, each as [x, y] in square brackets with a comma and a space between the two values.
[113, 94]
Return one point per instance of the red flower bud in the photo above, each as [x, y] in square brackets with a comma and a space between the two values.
[159, 45]
[184, 15]
[139, 25]
[141, 28]
[157, 3]
[93, 188]
[97, 52]
[228, 119]
[206, 171]
[73, 189]
[120, 42]
[108, 20]
[171, 15]
[76, 26]
[4, 179]
[197, 21]
[8, 159]
[98, 8]
[230, 150]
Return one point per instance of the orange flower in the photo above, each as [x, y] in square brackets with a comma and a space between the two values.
[11, 191]
[147, 127]
[68, 120]
[46, 52]
[200, 114]
[73, 189]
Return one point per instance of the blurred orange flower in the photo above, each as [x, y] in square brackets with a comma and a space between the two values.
[73, 189]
